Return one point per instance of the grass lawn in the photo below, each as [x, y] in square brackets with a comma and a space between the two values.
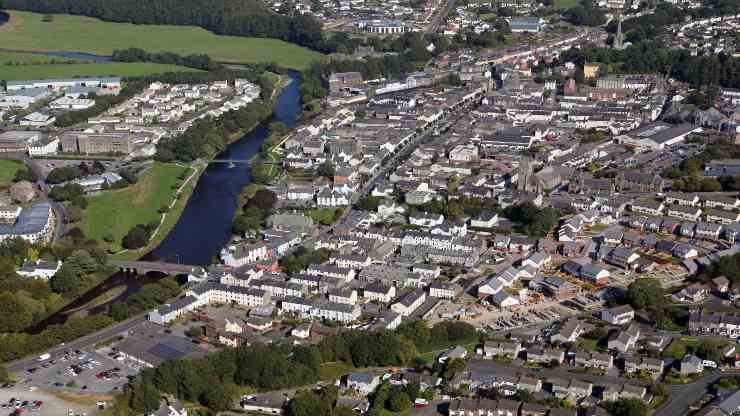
[677, 347]
[119, 69]
[170, 220]
[117, 211]
[26, 31]
[8, 168]
[333, 371]
[564, 4]
[588, 344]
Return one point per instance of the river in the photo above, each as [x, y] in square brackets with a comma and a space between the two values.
[205, 224]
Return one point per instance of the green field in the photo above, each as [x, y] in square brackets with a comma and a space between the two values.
[33, 58]
[564, 4]
[120, 69]
[26, 32]
[120, 210]
[8, 168]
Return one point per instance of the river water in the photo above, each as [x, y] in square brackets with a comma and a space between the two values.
[205, 225]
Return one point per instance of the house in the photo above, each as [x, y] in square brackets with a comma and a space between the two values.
[650, 207]
[545, 355]
[708, 231]
[504, 300]
[694, 293]
[534, 409]
[685, 199]
[39, 269]
[687, 213]
[625, 339]
[593, 359]
[409, 302]
[378, 292]
[690, 364]
[484, 220]
[444, 290]
[725, 202]
[426, 219]
[559, 289]
[619, 315]
[269, 403]
[363, 382]
[456, 353]
[722, 217]
[500, 348]
[594, 274]
[653, 366]
[623, 257]
[720, 284]
[569, 331]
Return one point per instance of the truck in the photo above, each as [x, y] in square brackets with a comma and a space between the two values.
[44, 357]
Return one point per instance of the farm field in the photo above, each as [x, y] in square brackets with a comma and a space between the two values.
[12, 58]
[27, 32]
[117, 211]
[119, 69]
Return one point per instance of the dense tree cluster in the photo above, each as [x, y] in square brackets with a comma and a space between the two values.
[534, 221]
[687, 174]
[649, 295]
[209, 136]
[438, 336]
[301, 258]
[585, 13]
[275, 367]
[197, 61]
[138, 236]
[627, 407]
[223, 17]
[256, 204]
[148, 297]
[646, 57]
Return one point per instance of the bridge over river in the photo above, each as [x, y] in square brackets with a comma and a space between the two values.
[143, 267]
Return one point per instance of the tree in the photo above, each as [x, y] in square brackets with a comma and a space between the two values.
[136, 238]
[4, 374]
[73, 214]
[326, 169]
[644, 293]
[144, 397]
[627, 407]
[263, 199]
[399, 400]
[65, 281]
[194, 332]
[218, 397]
[14, 314]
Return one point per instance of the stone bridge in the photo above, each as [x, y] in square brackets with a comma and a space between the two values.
[143, 267]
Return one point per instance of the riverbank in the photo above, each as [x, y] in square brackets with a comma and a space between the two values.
[210, 211]
[169, 218]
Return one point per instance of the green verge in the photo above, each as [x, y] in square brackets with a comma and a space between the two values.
[27, 32]
[117, 211]
[118, 69]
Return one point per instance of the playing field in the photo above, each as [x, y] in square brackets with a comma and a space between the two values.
[26, 32]
[118, 211]
[119, 69]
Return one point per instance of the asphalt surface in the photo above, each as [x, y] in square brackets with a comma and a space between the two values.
[78, 344]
